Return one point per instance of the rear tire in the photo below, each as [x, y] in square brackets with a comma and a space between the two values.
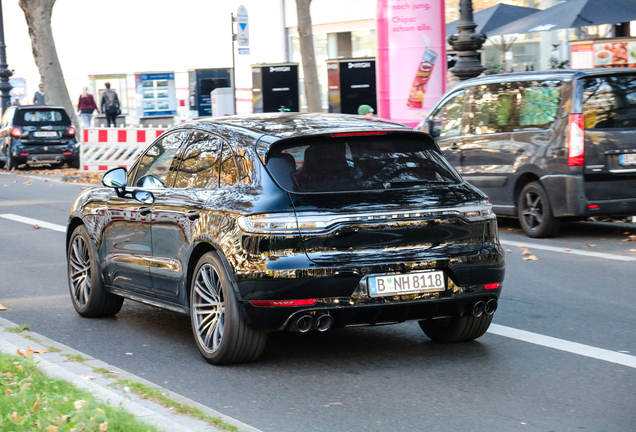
[89, 296]
[221, 333]
[74, 164]
[535, 213]
[456, 329]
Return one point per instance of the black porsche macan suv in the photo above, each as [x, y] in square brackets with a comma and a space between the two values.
[36, 135]
[289, 221]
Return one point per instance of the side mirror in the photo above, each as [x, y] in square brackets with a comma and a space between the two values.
[144, 197]
[115, 178]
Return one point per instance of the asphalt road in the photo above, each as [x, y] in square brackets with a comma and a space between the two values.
[370, 379]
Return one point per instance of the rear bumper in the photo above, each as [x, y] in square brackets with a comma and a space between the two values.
[45, 158]
[343, 292]
[568, 199]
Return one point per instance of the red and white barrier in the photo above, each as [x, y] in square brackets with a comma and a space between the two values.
[107, 148]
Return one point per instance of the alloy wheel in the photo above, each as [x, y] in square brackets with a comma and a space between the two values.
[79, 261]
[533, 210]
[208, 308]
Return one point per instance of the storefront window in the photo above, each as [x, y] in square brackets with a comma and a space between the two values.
[363, 43]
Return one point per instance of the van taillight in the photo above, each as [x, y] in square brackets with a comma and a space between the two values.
[16, 132]
[576, 140]
[70, 131]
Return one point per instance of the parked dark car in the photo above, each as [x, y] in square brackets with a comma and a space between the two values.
[545, 147]
[37, 135]
[288, 221]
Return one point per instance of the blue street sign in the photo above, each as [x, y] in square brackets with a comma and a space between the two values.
[243, 34]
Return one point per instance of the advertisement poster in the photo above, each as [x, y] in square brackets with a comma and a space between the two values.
[615, 54]
[411, 62]
[156, 94]
[582, 56]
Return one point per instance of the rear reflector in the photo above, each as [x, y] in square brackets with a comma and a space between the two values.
[24, 154]
[274, 303]
[576, 140]
[593, 206]
[493, 285]
[68, 153]
[345, 134]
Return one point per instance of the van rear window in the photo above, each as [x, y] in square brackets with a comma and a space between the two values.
[41, 116]
[358, 163]
[609, 102]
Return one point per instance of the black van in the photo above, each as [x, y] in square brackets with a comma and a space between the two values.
[546, 147]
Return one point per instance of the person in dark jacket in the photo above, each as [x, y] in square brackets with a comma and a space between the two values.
[110, 105]
[86, 105]
[38, 97]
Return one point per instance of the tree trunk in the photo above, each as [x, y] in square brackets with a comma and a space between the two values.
[310, 73]
[38, 18]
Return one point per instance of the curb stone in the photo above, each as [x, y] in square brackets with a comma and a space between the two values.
[56, 364]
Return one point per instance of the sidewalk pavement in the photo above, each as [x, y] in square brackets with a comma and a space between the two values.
[58, 365]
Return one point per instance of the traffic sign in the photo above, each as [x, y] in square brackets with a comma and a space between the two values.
[242, 35]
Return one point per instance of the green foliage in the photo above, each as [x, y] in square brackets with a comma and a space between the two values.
[31, 401]
[493, 67]
[23, 327]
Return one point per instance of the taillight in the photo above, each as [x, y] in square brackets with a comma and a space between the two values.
[493, 285]
[70, 131]
[16, 132]
[576, 140]
[349, 134]
[277, 303]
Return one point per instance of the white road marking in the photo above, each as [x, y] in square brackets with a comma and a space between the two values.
[563, 345]
[571, 251]
[29, 221]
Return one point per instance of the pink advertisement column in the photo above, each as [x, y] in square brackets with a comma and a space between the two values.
[411, 61]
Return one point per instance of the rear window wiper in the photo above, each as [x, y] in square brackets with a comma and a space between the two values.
[404, 183]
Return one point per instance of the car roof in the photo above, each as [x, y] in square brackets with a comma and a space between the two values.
[38, 107]
[559, 74]
[287, 125]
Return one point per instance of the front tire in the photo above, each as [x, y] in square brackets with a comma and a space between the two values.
[535, 213]
[9, 163]
[456, 329]
[221, 333]
[89, 296]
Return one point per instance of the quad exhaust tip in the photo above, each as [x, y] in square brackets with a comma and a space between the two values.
[491, 307]
[324, 323]
[478, 308]
[303, 324]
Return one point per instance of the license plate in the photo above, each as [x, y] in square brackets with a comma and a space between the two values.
[44, 134]
[409, 283]
[628, 159]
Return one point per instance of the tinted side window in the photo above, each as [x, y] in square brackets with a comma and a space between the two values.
[493, 108]
[200, 165]
[539, 104]
[159, 161]
[609, 102]
[447, 121]
[229, 173]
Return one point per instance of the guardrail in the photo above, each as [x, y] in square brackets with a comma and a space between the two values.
[107, 148]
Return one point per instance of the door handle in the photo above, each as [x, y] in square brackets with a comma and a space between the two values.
[143, 210]
[192, 215]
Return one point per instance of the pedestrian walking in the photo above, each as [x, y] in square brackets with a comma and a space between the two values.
[110, 105]
[38, 97]
[16, 102]
[86, 105]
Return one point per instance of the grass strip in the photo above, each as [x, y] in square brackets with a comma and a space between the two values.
[32, 401]
[156, 396]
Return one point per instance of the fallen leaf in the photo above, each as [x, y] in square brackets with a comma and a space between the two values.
[9, 375]
[519, 245]
[15, 417]
[526, 251]
[103, 427]
[508, 250]
[2, 308]
[8, 392]
[36, 405]
[631, 238]
[36, 226]
[51, 429]
[25, 386]
[620, 242]
[40, 351]
[590, 245]
[65, 418]
[567, 249]
[78, 404]
[531, 258]
[87, 377]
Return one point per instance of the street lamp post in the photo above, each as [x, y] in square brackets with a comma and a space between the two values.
[466, 42]
[5, 72]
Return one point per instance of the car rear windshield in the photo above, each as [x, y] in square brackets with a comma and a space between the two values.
[609, 102]
[41, 116]
[358, 163]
